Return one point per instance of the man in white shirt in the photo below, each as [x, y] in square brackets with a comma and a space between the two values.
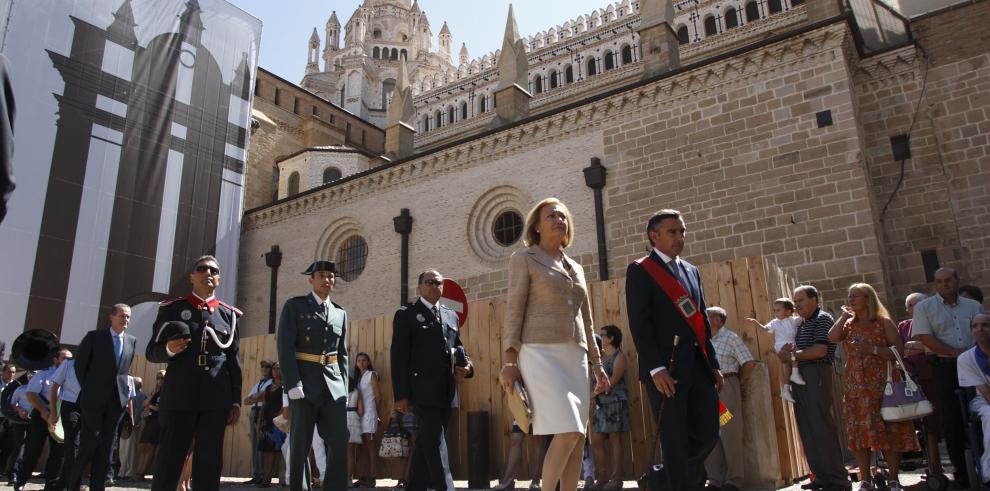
[726, 464]
[941, 323]
[65, 388]
[974, 371]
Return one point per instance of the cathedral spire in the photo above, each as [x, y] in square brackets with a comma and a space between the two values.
[399, 131]
[511, 96]
[313, 55]
[463, 56]
[513, 67]
[446, 40]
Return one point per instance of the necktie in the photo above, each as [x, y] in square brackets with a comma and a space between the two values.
[676, 269]
[117, 347]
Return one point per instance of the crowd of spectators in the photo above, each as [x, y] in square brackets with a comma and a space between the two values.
[944, 341]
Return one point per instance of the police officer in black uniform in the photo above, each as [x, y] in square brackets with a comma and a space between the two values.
[428, 359]
[312, 354]
[197, 336]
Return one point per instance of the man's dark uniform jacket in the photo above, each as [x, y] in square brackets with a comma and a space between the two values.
[422, 366]
[196, 379]
[303, 328]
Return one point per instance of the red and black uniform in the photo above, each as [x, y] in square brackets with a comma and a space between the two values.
[201, 386]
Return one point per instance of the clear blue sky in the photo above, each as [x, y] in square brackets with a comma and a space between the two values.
[289, 23]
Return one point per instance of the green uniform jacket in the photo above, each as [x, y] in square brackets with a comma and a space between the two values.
[303, 328]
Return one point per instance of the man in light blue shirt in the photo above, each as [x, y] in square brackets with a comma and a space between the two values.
[941, 323]
[38, 391]
[65, 387]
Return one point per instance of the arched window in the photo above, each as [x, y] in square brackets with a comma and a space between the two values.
[464, 114]
[569, 74]
[538, 84]
[775, 6]
[483, 104]
[592, 67]
[711, 27]
[293, 184]
[426, 123]
[438, 119]
[682, 35]
[626, 54]
[554, 82]
[752, 12]
[404, 55]
[731, 18]
[450, 115]
[352, 257]
[331, 174]
[609, 60]
[376, 53]
[377, 34]
[395, 54]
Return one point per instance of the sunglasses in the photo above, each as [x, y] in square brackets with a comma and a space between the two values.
[433, 282]
[202, 268]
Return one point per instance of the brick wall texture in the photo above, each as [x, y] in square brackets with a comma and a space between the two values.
[735, 144]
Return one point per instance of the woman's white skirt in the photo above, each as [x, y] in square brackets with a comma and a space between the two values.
[557, 379]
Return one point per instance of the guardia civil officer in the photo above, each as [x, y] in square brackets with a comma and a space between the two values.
[428, 359]
[312, 353]
[197, 336]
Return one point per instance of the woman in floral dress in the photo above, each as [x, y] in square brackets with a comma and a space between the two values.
[868, 333]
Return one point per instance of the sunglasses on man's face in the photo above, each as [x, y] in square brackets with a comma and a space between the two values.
[203, 268]
[433, 282]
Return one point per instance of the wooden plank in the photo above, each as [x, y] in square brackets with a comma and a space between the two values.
[725, 287]
[709, 283]
[744, 307]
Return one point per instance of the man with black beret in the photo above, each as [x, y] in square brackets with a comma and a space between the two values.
[312, 353]
[201, 395]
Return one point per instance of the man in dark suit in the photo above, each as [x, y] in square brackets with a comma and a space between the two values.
[101, 366]
[428, 359]
[664, 300]
[6, 140]
[201, 393]
[312, 354]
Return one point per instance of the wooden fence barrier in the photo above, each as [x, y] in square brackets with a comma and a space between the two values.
[743, 287]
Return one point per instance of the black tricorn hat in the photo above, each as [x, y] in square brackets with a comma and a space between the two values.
[174, 330]
[321, 266]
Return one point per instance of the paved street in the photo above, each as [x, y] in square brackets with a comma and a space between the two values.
[909, 480]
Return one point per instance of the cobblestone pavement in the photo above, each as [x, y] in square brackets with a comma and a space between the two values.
[910, 480]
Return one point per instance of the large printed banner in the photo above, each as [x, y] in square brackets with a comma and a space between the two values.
[133, 119]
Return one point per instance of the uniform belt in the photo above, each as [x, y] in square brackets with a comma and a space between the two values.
[322, 359]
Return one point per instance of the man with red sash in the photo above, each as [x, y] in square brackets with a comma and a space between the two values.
[664, 300]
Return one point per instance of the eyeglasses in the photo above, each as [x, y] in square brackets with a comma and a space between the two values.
[433, 282]
[202, 268]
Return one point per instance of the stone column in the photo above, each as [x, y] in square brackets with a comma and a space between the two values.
[661, 50]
